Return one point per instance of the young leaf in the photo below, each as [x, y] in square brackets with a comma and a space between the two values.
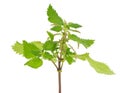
[18, 48]
[47, 55]
[100, 67]
[85, 42]
[69, 59]
[53, 16]
[57, 28]
[50, 45]
[34, 62]
[74, 25]
[51, 36]
[30, 50]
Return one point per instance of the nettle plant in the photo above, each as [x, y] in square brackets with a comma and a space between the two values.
[57, 48]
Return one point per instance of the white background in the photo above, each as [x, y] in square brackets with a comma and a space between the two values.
[27, 20]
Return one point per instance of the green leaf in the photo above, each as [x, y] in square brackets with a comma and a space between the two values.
[69, 59]
[34, 62]
[69, 52]
[18, 48]
[100, 67]
[56, 28]
[74, 38]
[30, 50]
[51, 36]
[85, 42]
[53, 16]
[48, 56]
[82, 56]
[74, 25]
[38, 44]
[50, 45]
[69, 56]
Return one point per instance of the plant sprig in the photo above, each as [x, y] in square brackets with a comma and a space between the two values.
[58, 51]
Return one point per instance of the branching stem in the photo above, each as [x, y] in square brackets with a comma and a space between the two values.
[60, 57]
[72, 48]
[54, 64]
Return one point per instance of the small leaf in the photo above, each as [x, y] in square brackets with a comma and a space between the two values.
[51, 36]
[38, 44]
[74, 38]
[85, 42]
[30, 50]
[69, 59]
[100, 67]
[82, 56]
[47, 55]
[69, 52]
[34, 62]
[57, 28]
[53, 16]
[69, 56]
[74, 25]
[18, 48]
[50, 45]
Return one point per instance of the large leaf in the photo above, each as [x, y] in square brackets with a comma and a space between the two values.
[56, 28]
[50, 45]
[34, 62]
[53, 16]
[30, 50]
[74, 25]
[18, 48]
[85, 42]
[100, 67]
